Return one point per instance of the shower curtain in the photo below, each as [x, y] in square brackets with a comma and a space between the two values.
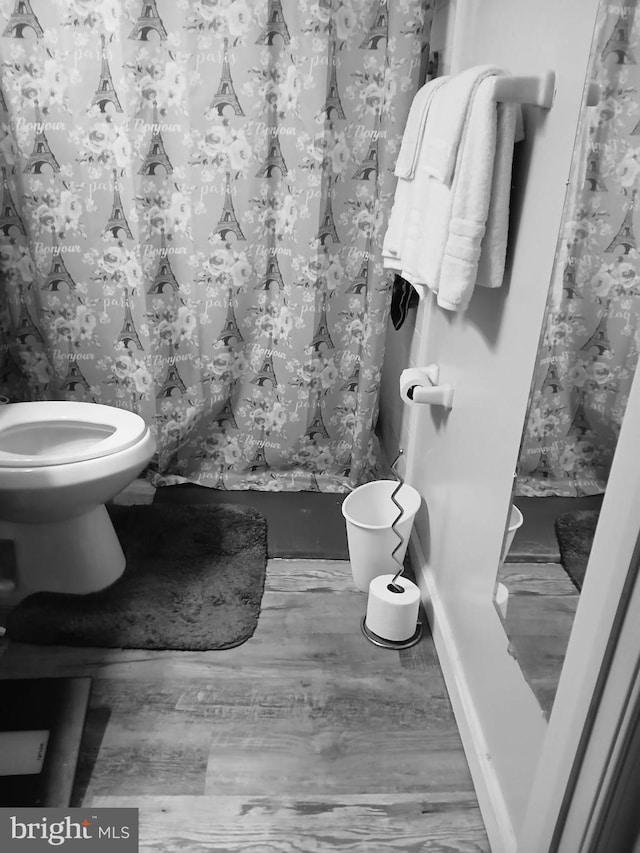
[193, 201]
[591, 336]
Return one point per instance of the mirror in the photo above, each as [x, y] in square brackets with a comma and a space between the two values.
[586, 360]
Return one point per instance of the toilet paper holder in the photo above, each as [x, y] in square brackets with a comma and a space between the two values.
[396, 521]
[393, 586]
[419, 386]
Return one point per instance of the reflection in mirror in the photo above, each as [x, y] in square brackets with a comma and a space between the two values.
[585, 365]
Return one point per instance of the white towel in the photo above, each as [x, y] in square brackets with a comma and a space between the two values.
[480, 207]
[407, 191]
[426, 228]
[447, 119]
[449, 222]
[494, 243]
[413, 135]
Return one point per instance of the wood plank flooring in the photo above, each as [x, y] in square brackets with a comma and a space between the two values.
[541, 609]
[305, 738]
[542, 598]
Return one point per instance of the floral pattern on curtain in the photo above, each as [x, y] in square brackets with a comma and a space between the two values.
[591, 337]
[193, 201]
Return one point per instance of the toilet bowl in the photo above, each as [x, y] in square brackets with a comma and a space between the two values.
[60, 462]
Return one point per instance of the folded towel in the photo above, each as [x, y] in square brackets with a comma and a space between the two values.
[494, 244]
[448, 226]
[393, 241]
[408, 193]
[426, 231]
[414, 129]
[471, 194]
[419, 222]
[480, 207]
[447, 120]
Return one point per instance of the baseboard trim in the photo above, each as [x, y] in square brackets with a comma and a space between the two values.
[488, 791]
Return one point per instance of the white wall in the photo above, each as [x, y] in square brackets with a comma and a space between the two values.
[499, 337]
[525, 38]
[403, 345]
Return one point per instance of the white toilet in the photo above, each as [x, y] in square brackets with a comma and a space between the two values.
[60, 462]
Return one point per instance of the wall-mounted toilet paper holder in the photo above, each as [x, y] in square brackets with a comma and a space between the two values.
[419, 385]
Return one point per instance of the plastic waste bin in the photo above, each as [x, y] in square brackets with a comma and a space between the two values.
[372, 531]
[515, 521]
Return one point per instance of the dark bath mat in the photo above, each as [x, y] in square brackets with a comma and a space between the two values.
[301, 525]
[194, 581]
[575, 532]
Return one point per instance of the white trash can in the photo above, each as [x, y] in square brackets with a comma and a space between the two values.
[369, 513]
[515, 521]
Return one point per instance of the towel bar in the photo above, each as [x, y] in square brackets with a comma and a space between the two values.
[526, 90]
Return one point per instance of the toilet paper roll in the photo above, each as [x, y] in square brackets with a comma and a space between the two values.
[392, 615]
[502, 599]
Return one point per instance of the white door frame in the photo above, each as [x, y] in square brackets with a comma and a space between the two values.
[594, 698]
[521, 767]
[593, 709]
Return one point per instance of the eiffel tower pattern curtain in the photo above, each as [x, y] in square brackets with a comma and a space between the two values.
[193, 201]
[591, 337]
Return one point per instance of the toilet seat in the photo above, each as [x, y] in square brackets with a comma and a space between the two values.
[37, 434]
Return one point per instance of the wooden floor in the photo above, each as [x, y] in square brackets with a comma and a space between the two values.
[305, 738]
[540, 611]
